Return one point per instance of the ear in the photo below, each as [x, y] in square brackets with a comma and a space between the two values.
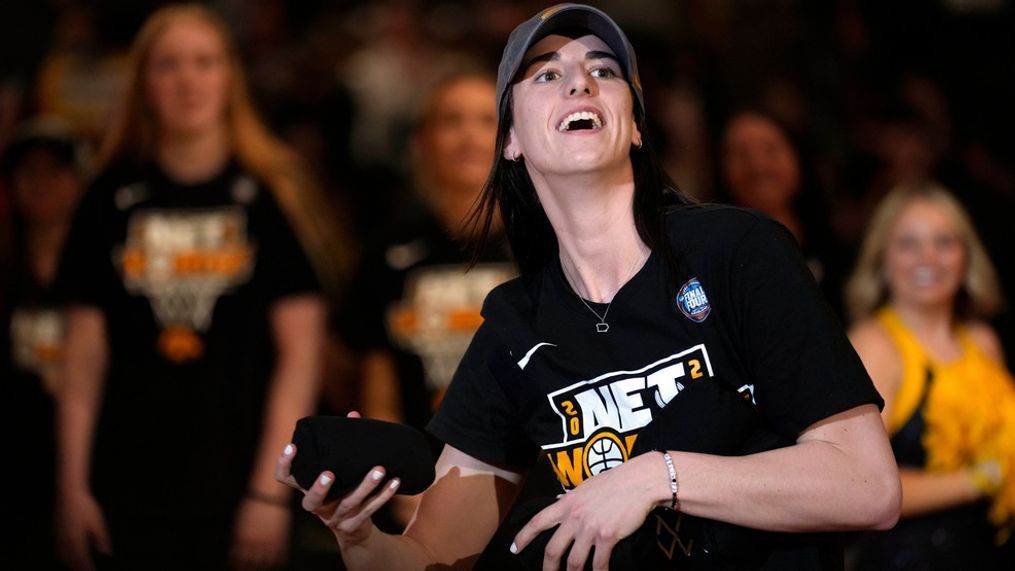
[512, 151]
[635, 134]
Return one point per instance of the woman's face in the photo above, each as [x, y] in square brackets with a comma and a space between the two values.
[759, 164]
[572, 110]
[187, 77]
[457, 139]
[45, 189]
[925, 258]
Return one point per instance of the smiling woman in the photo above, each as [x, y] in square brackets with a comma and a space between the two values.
[630, 300]
[920, 291]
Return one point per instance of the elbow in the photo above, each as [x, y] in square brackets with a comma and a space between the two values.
[886, 500]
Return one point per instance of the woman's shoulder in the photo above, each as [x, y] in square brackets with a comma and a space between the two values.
[722, 228]
[985, 338]
[724, 215]
[877, 349]
[871, 332]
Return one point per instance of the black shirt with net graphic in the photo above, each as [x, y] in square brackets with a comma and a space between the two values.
[540, 379]
[185, 277]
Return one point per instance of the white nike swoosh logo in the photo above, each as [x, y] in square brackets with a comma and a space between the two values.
[528, 355]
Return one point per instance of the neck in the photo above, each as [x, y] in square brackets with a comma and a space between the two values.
[193, 157]
[592, 215]
[936, 321]
[43, 242]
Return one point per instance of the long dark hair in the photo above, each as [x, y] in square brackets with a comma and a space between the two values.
[530, 235]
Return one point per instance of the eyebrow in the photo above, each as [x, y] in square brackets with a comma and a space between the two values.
[555, 56]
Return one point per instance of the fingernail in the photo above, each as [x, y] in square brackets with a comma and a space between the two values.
[325, 479]
[394, 483]
[513, 549]
[288, 449]
[377, 475]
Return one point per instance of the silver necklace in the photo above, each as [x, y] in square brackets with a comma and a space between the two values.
[602, 326]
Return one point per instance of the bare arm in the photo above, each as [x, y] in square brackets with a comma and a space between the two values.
[457, 516]
[298, 329]
[81, 526]
[78, 403]
[881, 359]
[840, 475]
[381, 398]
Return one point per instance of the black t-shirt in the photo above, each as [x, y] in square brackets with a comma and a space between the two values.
[185, 276]
[745, 309]
[414, 298]
[31, 357]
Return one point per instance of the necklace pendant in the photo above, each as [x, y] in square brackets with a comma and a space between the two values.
[602, 327]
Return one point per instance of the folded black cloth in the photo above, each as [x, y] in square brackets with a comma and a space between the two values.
[351, 447]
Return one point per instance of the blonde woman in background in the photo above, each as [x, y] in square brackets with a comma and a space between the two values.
[194, 273]
[920, 292]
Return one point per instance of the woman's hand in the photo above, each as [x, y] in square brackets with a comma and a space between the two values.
[599, 513]
[261, 535]
[81, 531]
[348, 518]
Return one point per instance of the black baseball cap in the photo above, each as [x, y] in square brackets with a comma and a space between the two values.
[559, 17]
[46, 132]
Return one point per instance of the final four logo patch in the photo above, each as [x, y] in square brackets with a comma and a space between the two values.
[693, 302]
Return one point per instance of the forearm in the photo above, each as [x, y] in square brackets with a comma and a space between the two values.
[292, 391]
[291, 396]
[840, 475]
[806, 487]
[925, 492]
[385, 551]
[79, 398]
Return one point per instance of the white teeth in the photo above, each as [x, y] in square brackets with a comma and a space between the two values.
[924, 276]
[586, 115]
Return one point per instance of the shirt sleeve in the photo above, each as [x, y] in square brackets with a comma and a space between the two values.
[480, 412]
[803, 367]
[283, 266]
[86, 274]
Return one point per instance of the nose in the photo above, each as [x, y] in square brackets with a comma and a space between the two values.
[580, 84]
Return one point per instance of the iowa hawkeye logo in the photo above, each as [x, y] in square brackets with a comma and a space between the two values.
[600, 418]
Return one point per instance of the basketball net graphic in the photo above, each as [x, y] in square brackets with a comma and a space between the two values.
[183, 262]
[37, 342]
[439, 314]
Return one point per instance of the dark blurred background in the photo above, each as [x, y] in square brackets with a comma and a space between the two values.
[876, 93]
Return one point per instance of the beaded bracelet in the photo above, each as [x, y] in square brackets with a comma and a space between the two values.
[673, 480]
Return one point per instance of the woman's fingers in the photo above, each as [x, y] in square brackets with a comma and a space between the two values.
[353, 502]
[315, 497]
[283, 467]
[372, 506]
[579, 552]
[557, 547]
[354, 414]
[601, 559]
[545, 519]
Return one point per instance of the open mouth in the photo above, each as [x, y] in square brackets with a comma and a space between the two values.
[580, 121]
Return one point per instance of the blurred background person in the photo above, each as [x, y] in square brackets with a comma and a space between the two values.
[762, 166]
[42, 174]
[922, 286]
[195, 329]
[416, 307]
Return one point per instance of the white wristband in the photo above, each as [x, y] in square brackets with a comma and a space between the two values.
[673, 480]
